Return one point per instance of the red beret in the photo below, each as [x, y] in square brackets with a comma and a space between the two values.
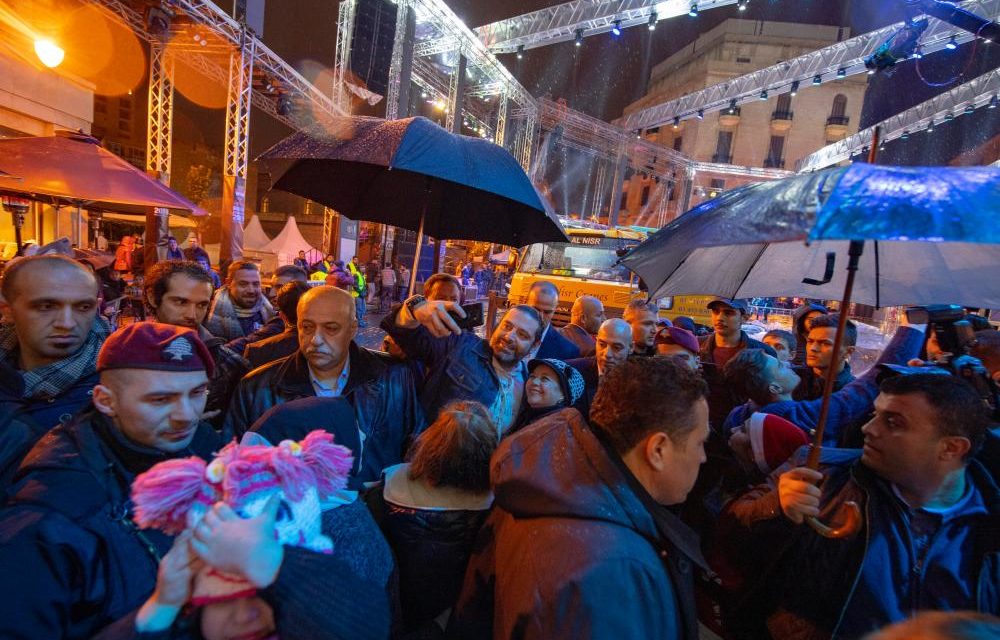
[678, 336]
[152, 345]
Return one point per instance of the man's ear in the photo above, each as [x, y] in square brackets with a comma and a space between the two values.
[954, 447]
[655, 450]
[104, 400]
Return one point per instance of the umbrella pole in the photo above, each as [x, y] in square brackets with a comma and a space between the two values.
[420, 242]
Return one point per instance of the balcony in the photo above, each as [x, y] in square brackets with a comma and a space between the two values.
[729, 117]
[774, 163]
[781, 121]
[836, 127]
[719, 158]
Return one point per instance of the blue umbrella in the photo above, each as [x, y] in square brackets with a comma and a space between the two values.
[413, 174]
[767, 234]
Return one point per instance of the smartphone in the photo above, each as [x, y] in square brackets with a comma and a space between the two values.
[473, 316]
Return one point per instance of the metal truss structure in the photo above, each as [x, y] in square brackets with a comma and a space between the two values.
[159, 125]
[926, 116]
[834, 62]
[563, 22]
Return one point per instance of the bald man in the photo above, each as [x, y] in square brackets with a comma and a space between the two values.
[586, 317]
[329, 364]
[48, 349]
[543, 297]
[613, 347]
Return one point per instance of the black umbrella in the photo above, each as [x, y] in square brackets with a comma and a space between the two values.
[413, 174]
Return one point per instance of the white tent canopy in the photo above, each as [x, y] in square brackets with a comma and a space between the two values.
[287, 244]
[254, 236]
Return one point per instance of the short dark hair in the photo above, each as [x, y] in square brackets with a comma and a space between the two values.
[744, 373]
[455, 450]
[438, 278]
[290, 270]
[539, 285]
[960, 411]
[830, 321]
[639, 305]
[787, 336]
[644, 395]
[287, 299]
[987, 348]
[158, 276]
[530, 312]
[241, 265]
[13, 268]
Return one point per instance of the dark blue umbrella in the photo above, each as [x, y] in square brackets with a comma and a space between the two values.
[413, 174]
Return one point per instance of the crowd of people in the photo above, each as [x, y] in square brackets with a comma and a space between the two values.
[236, 465]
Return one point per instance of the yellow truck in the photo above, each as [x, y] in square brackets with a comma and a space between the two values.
[586, 266]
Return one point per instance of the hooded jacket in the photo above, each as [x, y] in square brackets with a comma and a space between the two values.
[574, 547]
[799, 329]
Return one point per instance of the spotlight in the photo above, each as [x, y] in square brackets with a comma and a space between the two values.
[918, 53]
[49, 52]
[701, 114]
[520, 52]
[677, 122]
[871, 72]
[579, 37]
[930, 126]
[842, 72]
[795, 88]
[952, 44]
[732, 106]
[158, 21]
[905, 136]
[616, 29]
[693, 11]
[423, 94]
[817, 80]
[763, 94]
[652, 21]
[949, 117]
[742, 5]
[993, 102]
[285, 105]
[970, 109]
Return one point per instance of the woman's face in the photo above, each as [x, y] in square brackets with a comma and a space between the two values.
[243, 619]
[542, 389]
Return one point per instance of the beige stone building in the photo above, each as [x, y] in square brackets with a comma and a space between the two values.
[768, 133]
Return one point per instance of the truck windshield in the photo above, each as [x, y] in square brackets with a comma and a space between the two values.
[586, 257]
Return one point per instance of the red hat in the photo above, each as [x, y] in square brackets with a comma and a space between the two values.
[678, 336]
[157, 346]
[773, 440]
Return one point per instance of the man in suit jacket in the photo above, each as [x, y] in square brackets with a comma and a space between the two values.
[614, 344]
[543, 297]
[585, 320]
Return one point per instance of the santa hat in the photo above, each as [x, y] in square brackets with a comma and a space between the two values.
[176, 494]
[773, 440]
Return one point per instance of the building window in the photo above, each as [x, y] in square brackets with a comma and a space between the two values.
[100, 104]
[623, 205]
[645, 196]
[265, 204]
[775, 151]
[724, 148]
[839, 106]
[678, 143]
[742, 59]
[718, 183]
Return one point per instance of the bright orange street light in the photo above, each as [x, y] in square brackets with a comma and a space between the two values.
[49, 52]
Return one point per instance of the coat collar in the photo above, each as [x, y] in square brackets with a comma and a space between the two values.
[293, 374]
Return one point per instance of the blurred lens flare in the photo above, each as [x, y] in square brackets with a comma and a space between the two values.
[49, 52]
[101, 49]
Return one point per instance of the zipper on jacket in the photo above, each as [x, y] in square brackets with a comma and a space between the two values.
[861, 567]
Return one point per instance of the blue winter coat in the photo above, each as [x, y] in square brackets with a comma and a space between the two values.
[554, 345]
[574, 547]
[848, 405]
[46, 412]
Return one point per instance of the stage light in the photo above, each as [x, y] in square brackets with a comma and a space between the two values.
[970, 109]
[693, 11]
[578, 40]
[520, 52]
[732, 106]
[905, 136]
[918, 53]
[701, 114]
[49, 52]
[652, 21]
[952, 44]
[616, 29]
[949, 117]
[677, 122]
[795, 88]
[285, 106]
[742, 5]
[763, 94]
[842, 73]
[993, 102]
[930, 126]
[817, 80]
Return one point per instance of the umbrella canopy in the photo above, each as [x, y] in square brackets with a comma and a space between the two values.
[752, 241]
[72, 168]
[400, 172]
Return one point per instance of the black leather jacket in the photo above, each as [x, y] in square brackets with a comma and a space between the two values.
[382, 392]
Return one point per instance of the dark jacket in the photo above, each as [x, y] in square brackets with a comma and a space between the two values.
[381, 391]
[811, 386]
[46, 412]
[848, 405]
[591, 377]
[66, 532]
[721, 395]
[817, 586]
[230, 367]
[458, 367]
[270, 349]
[18, 434]
[575, 547]
[799, 329]
[431, 531]
[272, 327]
[554, 345]
[579, 336]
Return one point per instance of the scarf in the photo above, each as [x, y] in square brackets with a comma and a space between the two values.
[225, 307]
[51, 380]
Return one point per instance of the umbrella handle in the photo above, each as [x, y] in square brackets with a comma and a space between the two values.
[849, 515]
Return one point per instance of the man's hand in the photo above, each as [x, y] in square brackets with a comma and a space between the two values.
[173, 586]
[799, 494]
[246, 547]
[434, 315]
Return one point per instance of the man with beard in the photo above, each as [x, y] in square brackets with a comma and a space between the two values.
[178, 293]
[329, 364]
[47, 351]
[75, 560]
[642, 316]
[240, 308]
[461, 365]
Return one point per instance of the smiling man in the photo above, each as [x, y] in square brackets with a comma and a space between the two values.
[67, 532]
[240, 308]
